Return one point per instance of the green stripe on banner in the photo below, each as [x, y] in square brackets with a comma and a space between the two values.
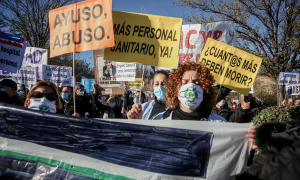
[88, 172]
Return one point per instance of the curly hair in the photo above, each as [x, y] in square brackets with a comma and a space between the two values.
[206, 81]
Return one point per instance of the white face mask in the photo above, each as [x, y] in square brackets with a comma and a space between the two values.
[42, 104]
[190, 95]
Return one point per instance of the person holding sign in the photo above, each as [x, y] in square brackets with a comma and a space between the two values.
[67, 103]
[156, 106]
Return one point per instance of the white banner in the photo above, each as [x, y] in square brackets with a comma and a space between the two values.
[293, 90]
[26, 75]
[288, 78]
[59, 75]
[194, 36]
[125, 71]
[33, 57]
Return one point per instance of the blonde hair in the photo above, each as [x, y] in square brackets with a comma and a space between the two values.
[44, 83]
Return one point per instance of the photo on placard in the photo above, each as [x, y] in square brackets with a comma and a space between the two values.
[106, 73]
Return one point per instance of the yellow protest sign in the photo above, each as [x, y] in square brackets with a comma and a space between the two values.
[231, 67]
[145, 39]
[137, 84]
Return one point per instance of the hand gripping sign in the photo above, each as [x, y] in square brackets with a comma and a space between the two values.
[80, 27]
[231, 67]
[145, 39]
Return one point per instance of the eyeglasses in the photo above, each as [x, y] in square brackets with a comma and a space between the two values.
[49, 96]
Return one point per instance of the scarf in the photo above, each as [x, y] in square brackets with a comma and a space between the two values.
[197, 115]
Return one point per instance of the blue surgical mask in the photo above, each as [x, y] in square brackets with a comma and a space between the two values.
[81, 93]
[65, 96]
[112, 105]
[21, 88]
[160, 93]
[121, 98]
[103, 98]
[136, 100]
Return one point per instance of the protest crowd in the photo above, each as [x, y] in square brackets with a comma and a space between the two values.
[193, 91]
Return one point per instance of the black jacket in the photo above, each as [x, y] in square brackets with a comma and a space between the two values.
[17, 100]
[86, 103]
[98, 107]
[240, 115]
[128, 101]
[226, 113]
[280, 157]
[68, 108]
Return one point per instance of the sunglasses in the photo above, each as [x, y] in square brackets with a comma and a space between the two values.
[49, 96]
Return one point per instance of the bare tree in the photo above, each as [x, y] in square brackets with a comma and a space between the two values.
[267, 28]
[29, 18]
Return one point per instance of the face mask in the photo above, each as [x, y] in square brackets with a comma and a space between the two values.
[21, 88]
[81, 93]
[222, 102]
[42, 104]
[2, 89]
[112, 105]
[121, 98]
[65, 96]
[160, 93]
[190, 95]
[136, 100]
[103, 98]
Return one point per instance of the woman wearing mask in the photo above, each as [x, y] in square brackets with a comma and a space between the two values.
[190, 95]
[115, 108]
[156, 106]
[43, 96]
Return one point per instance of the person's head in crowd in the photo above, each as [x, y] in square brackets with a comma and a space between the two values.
[136, 97]
[159, 81]
[190, 87]
[67, 93]
[10, 87]
[234, 105]
[221, 104]
[4, 97]
[43, 96]
[247, 102]
[79, 90]
[114, 101]
[297, 101]
[22, 87]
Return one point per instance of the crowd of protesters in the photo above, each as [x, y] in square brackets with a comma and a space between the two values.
[185, 93]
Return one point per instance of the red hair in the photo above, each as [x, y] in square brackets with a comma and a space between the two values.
[206, 81]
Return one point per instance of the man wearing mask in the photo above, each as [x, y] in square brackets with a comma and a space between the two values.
[83, 99]
[246, 111]
[67, 102]
[10, 88]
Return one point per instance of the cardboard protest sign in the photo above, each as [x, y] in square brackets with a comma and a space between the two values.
[137, 84]
[12, 50]
[26, 75]
[33, 57]
[59, 75]
[293, 90]
[36, 144]
[288, 78]
[88, 84]
[194, 36]
[125, 71]
[231, 67]
[82, 26]
[145, 39]
[106, 73]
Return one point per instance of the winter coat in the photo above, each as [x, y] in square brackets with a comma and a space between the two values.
[243, 115]
[17, 100]
[226, 113]
[280, 157]
[98, 107]
[68, 108]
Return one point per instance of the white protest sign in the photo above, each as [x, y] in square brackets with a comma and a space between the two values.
[33, 57]
[12, 50]
[194, 36]
[293, 90]
[59, 75]
[125, 71]
[26, 75]
[108, 91]
[288, 78]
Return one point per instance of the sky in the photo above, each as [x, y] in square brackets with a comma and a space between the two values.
[155, 7]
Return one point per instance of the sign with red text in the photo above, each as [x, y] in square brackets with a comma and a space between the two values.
[194, 36]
